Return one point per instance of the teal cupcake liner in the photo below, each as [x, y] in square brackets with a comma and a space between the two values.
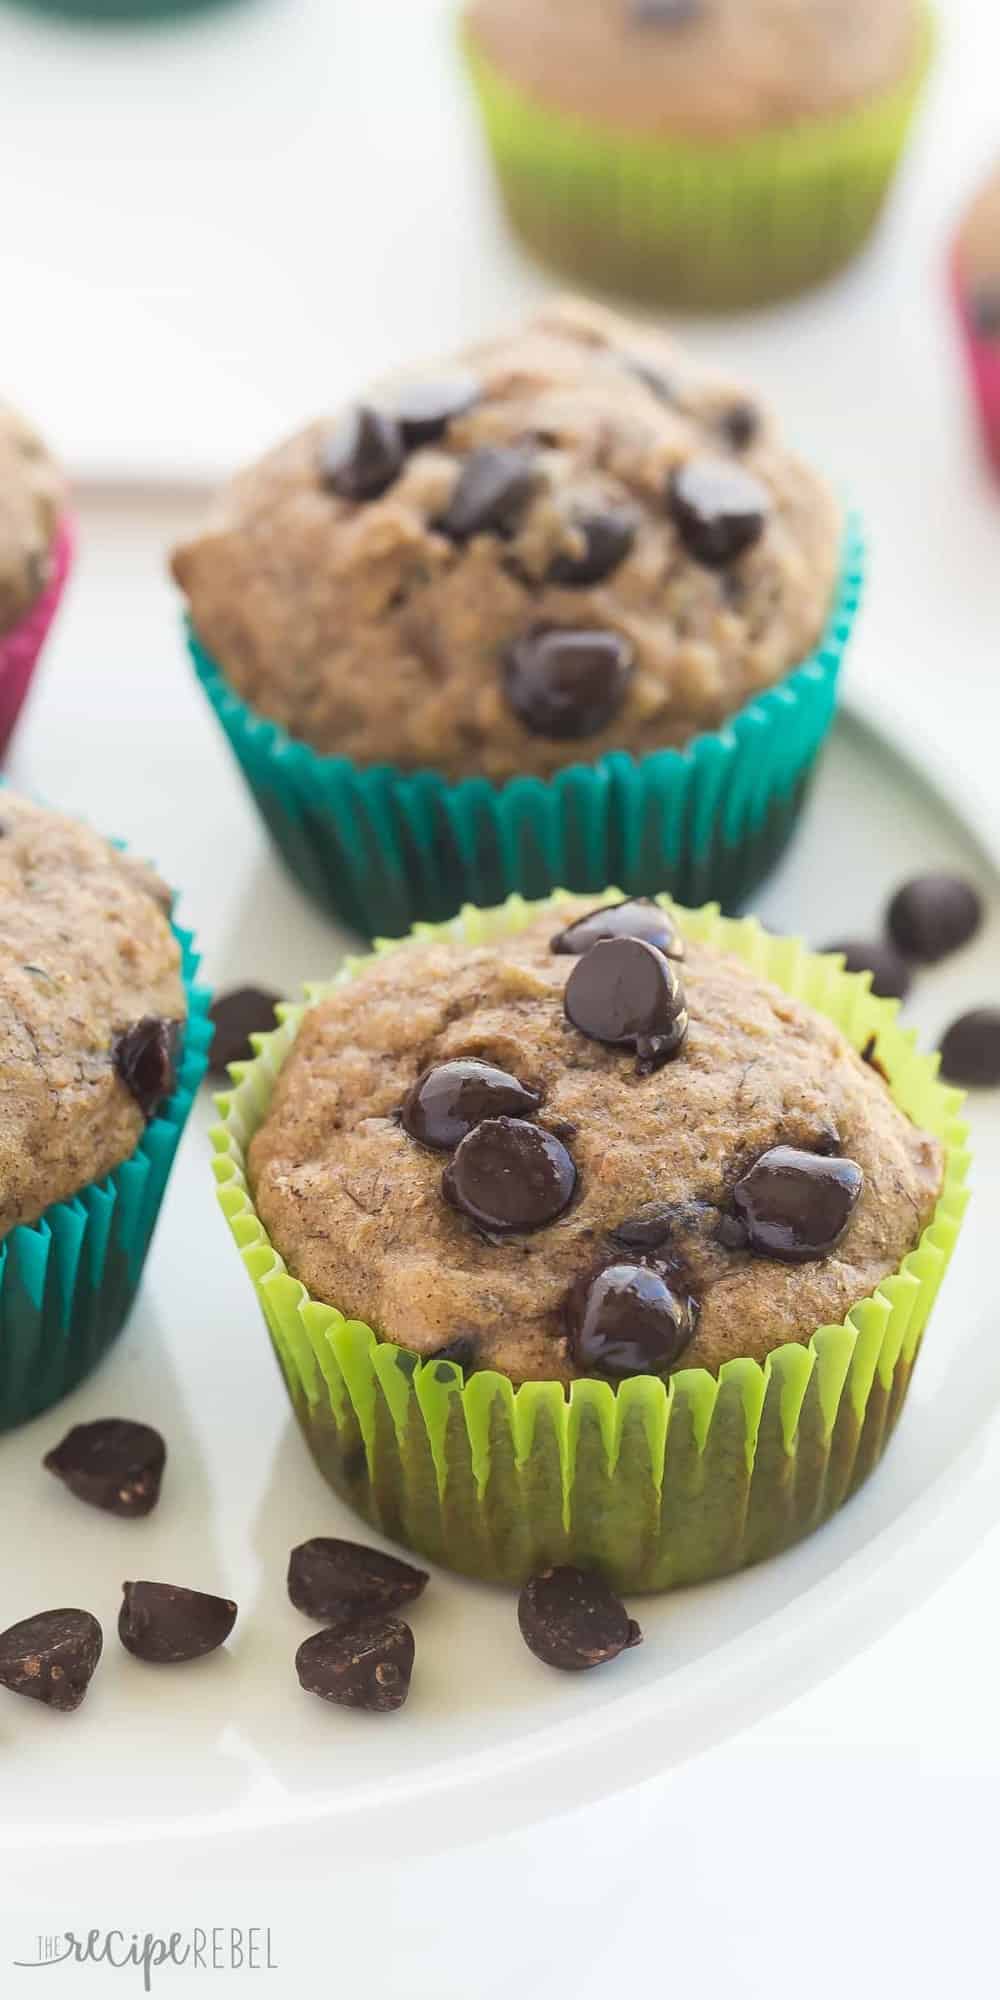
[67, 1281]
[382, 849]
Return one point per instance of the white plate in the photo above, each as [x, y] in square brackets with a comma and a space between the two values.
[230, 1748]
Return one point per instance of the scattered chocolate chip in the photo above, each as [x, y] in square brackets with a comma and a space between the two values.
[721, 510]
[629, 1320]
[450, 1099]
[891, 976]
[666, 13]
[166, 1625]
[510, 1176]
[52, 1657]
[608, 537]
[113, 1464]
[564, 684]
[796, 1206]
[647, 1229]
[640, 917]
[571, 1619]
[984, 311]
[145, 1058]
[655, 380]
[731, 1233]
[933, 916]
[423, 410]
[740, 425]
[365, 454]
[235, 1016]
[970, 1051]
[494, 487]
[366, 1667]
[463, 1352]
[626, 993]
[341, 1582]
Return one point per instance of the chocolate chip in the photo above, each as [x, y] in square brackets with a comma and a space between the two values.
[113, 1464]
[450, 1099]
[493, 489]
[721, 511]
[608, 537]
[166, 1625]
[869, 1055]
[423, 410]
[367, 1667]
[970, 1052]
[796, 1206]
[740, 425]
[891, 976]
[365, 454]
[52, 1657]
[571, 1619]
[462, 1351]
[933, 916]
[984, 311]
[666, 13]
[629, 1320]
[639, 917]
[731, 1233]
[235, 1016]
[508, 1175]
[647, 1228]
[345, 1581]
[145, 1059]
[655, 380]
[564, 684]
[626, 993]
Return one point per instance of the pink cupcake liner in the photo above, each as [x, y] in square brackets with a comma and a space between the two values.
[20, 648]
[983, 359]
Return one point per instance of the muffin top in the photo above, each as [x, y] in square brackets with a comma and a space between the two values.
[31, 494]
[978, 258]
[91, 1002]
[569, 541]
[702, 69]
[458, 1153]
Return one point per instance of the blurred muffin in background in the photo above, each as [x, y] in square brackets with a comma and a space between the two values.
[34, 557]
[976, 276]
[708, 153]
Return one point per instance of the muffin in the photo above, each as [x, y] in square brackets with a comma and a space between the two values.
[976, 283]
[594, 1233]
[102, 1043]
[701, 153]
[35, 550]
[416, 620]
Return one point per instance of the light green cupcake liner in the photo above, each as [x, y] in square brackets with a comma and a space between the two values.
[656, 1484]
[679, 222]
[383, 849]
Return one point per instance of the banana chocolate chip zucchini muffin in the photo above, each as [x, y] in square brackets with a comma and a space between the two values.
[34, 556]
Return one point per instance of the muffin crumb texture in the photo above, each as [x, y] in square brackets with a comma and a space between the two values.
[31, 495]
[680, 1173]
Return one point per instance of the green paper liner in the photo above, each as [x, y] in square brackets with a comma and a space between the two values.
[67, 1281]
[656, 1484]
[382, 849]
[689, 223]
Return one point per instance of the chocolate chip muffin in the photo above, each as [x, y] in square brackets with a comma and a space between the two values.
[92, 1005]
[589, 1148]
[31, 497]
[569, 541]
[976, 282]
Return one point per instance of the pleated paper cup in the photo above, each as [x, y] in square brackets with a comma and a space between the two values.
[654, 1483]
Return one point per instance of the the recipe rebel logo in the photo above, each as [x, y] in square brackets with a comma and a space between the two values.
[222, 1948]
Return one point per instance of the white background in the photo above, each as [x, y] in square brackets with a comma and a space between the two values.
[207, 231]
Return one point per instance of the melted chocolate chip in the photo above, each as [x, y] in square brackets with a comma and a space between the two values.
[463, 1351]
[145, 1059]
[891, 976]
[342, 1582]
[510, 1176]
[51, 1658]
[112, 1464]
[564, 684]
[970, 1051]
[450, 1099]
[721, 511]
[235, 1016]
[423, 410]
[494, 487]
[933, 916]
[608, 537]
[166, 1625]
[571, 1619]
[647, 1228]
[796, 1206]
[368, 1666]
[629, 1320]
[740, 425]
[627, 994]
[364, 456]
[640, 917]
[984, 311]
